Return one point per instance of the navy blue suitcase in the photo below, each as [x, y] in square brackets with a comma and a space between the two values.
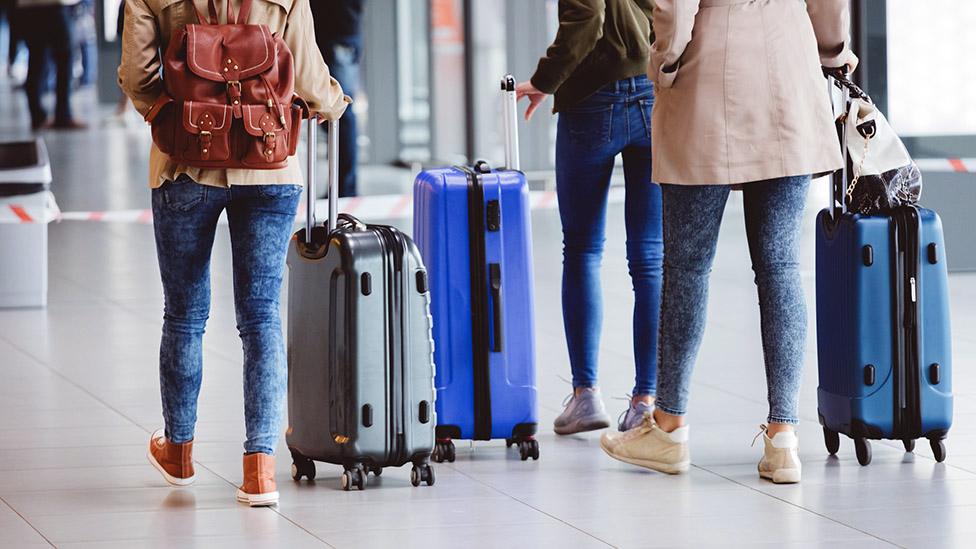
[883, 337]
[473, 230]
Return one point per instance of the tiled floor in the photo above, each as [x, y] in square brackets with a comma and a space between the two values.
[79, 397]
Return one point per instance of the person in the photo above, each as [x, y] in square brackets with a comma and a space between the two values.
[596, 69]
[48, 25]
[339, 35]
[186, 204]
[741, 101]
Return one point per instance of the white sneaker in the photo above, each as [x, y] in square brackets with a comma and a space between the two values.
[647, 445]
[583, 412]
[780, 462]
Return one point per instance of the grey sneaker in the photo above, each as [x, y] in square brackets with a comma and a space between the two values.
[583, 413]
[633, 415]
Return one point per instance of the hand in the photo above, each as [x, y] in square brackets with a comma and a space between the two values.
[536, 97]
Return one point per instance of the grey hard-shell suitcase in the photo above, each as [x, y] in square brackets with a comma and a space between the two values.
[360, 353]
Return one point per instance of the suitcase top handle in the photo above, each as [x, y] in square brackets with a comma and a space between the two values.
[333, 197]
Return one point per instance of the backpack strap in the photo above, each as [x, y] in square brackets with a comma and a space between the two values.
[213, 13]
[244, 13]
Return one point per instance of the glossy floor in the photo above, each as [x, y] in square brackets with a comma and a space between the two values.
[79, 397]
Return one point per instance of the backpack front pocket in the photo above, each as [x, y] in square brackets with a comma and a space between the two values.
[205, 135]
[268, 129]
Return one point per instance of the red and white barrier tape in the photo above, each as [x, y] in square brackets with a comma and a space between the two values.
[956, 165]
[379, 207]
[15, 210]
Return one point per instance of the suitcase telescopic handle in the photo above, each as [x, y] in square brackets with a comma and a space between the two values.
[333, 198]
[839, 79]
[510, 114]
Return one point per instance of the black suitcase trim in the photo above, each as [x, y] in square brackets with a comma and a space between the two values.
[479, 305]
[907, 266]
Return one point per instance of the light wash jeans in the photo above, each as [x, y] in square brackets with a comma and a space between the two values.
[261, 218]
[773, 216]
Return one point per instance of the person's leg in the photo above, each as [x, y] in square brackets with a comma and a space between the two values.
[36, 62]
[774, 219]
[62, 46]
[261, 220]
[585, 151]
[692, 218]
[185, 217]
[645, 250]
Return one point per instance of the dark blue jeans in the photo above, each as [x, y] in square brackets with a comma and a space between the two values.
[773, 217]
[342, 55]
[261, 219]
[615, 120]
[48, 29]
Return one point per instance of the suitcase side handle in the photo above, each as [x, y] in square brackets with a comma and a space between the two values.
[310, 195]
[510, 123]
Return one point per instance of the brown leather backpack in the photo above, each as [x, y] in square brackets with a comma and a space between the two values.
[230, 95]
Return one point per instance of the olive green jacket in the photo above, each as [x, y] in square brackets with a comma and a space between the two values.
[598, 42]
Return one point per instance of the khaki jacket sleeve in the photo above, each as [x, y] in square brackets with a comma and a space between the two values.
[673, 22]
[580, 28]
[139, 70]
[831, 23]
[313, 82]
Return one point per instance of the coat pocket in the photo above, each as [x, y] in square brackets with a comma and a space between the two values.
[205, 135]
[268, 134]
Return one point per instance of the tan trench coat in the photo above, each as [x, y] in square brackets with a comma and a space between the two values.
[149, 25]
[740, 95]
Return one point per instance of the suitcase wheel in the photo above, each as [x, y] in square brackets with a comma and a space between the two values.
[528, 448]
[354, 476]
[938, 449]
[863, 450]
[444, 451]
[302, 466]
[909, 445]
[377, 471]
[422, 473]
[831, 440]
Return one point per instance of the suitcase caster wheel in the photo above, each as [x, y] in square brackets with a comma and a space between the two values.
[345, 482]
[529, 449]
[353, 477]
[909, 445]
[303, 469]
[863, 450]
[938, 449]
[444, 451]
[422, 473]
[377, 471]
[831, 440]
[509, 442]
[302, 466]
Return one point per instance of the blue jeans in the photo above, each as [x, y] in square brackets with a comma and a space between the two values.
[342, 56]
[261, 219]
[615, 120]
[773, 217]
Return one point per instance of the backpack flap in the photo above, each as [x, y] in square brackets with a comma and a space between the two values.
[229, 53]
[206, 127]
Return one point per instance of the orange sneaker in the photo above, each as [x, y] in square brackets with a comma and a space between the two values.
[174, 461]
[259, 488]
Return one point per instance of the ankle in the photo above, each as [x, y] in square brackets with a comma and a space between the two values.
[641, 399]
[773, 429]
[668, 422]
[577, 391]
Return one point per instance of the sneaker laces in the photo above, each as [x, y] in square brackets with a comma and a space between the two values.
[630, 405]
[646, 426]
[763, 429]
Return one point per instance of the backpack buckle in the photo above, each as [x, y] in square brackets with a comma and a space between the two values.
[205, 139]
[269, 144]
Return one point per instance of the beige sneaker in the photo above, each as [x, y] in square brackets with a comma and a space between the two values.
[647, 445]
[780, 462]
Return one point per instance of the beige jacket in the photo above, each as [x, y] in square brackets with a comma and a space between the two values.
[149, 24]
[740, 95]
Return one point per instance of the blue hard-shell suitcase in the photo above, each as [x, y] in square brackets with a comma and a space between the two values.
[883, 336]
[473, 229]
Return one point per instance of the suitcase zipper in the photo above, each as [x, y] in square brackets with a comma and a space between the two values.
[394, 325]
[906, 239]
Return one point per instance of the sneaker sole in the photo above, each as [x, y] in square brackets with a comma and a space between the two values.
[173, 481]
[782, 476]
[582, 427]
[659, 466]
[257, 500]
